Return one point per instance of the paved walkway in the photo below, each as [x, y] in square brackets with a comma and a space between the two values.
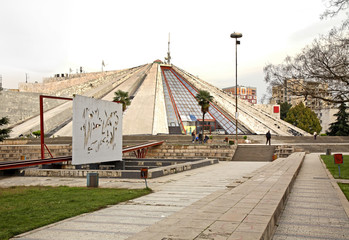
[245, 212]
[210, 203]
[313, 210]
[172, 193]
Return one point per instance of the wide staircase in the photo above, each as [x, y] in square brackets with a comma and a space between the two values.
[256, 153]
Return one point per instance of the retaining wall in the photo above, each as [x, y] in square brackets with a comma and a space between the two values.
[220, 152]
[20, 106]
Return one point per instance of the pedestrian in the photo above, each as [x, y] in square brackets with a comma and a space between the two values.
[268, 136]
[193, 135]
[200, 137]
[315, 135]
[206, 138]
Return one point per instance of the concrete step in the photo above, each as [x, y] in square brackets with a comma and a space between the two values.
[138, 168]
[254, 153]
[174, 130]
[148, 163]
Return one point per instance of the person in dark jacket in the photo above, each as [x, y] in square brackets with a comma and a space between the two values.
[193, 135]
[268, 136]
[200, 137]
[206, 138]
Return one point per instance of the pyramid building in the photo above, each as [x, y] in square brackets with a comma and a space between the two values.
[163, 102]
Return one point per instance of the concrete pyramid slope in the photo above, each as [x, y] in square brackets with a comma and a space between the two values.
[157, 107]
[256, 120]
[97, 88]
[139, 117]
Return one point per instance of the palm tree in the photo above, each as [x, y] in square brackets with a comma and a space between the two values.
[204, 98]
[123, 98]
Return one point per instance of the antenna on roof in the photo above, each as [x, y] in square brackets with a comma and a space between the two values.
[168, 58]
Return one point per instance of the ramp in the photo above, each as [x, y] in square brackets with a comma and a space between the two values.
[256, 153]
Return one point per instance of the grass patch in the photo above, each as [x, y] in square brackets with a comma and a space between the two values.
[345, 189]
[333, 168]
[26, 208]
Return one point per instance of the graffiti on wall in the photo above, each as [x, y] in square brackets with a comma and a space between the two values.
[97, 133]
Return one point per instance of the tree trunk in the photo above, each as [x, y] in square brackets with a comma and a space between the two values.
[203, 122]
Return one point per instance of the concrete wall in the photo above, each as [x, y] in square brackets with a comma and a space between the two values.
[31, 152]
[54, 86]
[165, 151]
[19, 106]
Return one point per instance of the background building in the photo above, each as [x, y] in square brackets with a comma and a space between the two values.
[292, 92]
[245, 93]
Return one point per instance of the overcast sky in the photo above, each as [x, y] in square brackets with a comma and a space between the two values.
[44, 37]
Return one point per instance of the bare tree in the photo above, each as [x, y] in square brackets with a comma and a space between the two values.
[334, 7]
[321, 70]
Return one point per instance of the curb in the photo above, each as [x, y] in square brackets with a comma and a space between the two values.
[334, 182]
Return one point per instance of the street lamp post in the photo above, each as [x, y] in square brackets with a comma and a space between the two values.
[236, 36]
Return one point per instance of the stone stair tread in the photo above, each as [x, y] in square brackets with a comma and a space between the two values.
[254, 153]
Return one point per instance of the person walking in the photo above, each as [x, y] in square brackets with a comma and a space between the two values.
[315, 135]
[268, 136]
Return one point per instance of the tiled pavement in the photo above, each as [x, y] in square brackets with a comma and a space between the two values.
[314, 209]
[248, 211]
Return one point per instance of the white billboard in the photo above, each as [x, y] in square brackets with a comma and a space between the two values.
[97, 130]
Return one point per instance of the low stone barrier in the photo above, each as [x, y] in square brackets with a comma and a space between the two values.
[152, 173]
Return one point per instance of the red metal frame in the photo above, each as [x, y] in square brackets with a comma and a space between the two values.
[28, 163]
[141, 150]
[48, 150]
[141, 153]
[42, 133]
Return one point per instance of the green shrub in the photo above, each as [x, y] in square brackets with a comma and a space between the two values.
[37, 133]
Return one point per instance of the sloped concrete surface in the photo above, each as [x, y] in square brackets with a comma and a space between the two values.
[138, 118]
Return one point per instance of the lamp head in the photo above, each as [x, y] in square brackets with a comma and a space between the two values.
[236, 35]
